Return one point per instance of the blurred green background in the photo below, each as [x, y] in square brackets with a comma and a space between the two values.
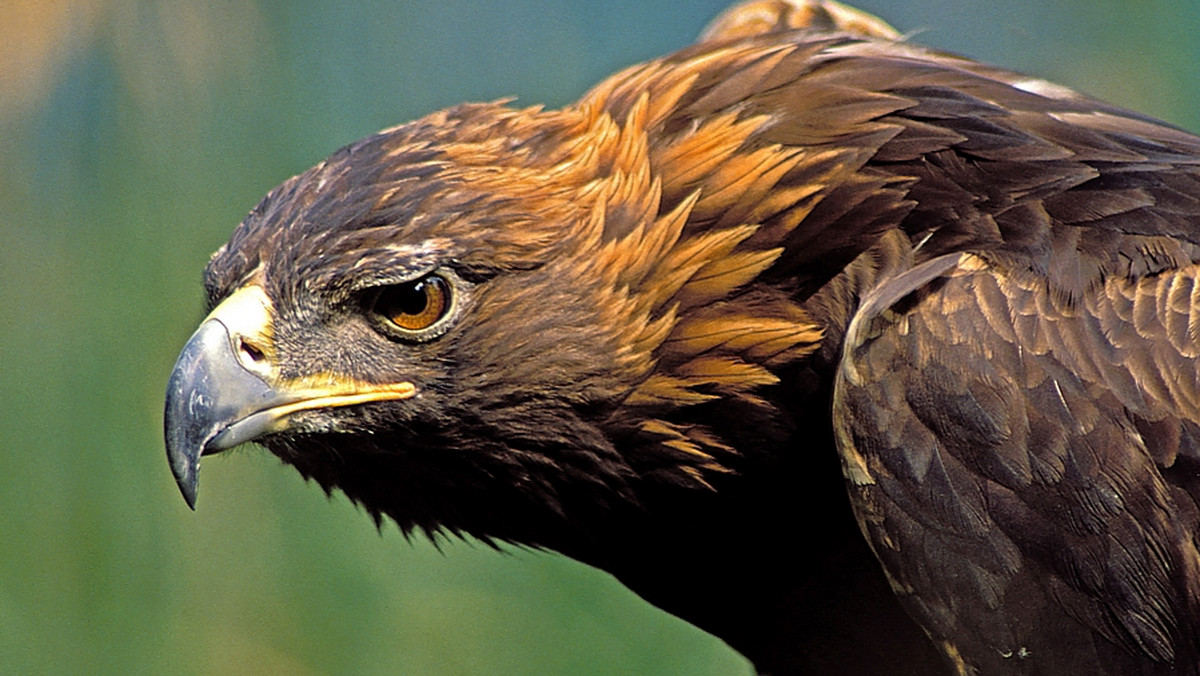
[133, 137]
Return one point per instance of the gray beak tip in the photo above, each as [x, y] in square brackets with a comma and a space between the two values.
[188, 480]
[197, 402]
[184, 441]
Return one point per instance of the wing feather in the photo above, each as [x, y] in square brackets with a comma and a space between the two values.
[1019, 499]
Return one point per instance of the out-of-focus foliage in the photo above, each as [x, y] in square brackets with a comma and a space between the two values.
[135, 134]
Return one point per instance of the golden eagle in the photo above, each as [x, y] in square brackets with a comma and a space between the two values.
[876, 316]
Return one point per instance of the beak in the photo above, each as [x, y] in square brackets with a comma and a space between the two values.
[225, 389]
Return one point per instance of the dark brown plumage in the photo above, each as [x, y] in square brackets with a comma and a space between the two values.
[799, 283]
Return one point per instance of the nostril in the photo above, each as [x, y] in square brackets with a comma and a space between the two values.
[250, 350]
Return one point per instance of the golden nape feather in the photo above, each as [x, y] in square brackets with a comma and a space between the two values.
[915, 336]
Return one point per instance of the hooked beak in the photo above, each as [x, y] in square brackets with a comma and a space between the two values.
[225, 389]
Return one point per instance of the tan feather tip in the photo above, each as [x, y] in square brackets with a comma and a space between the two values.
[759, 17]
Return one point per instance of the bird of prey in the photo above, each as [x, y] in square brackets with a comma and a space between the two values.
[916, 338]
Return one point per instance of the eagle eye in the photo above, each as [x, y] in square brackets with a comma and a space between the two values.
[414, 307]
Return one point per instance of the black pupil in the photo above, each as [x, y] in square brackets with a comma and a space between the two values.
[410, 298]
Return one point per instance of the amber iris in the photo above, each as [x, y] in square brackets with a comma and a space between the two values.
[415, 305]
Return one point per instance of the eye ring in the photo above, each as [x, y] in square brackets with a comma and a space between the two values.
[416, 309]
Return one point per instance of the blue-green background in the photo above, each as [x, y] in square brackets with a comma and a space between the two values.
[134, 135]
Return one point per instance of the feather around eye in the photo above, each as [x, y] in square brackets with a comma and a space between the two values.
[414, 306]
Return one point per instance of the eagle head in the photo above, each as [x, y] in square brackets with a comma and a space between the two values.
[496, 321]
